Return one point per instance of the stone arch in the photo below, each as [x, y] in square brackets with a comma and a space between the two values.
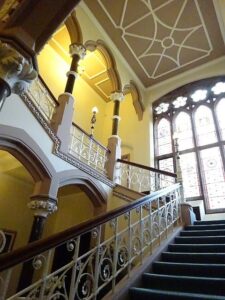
[74, 29]
[132, 89]
[88, 184]
[18, 143]
[109, 60]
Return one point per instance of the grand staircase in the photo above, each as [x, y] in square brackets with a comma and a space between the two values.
[192, 268]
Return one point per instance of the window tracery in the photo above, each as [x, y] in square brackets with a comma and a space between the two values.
[196, 112]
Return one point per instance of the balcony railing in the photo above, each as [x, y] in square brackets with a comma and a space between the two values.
[97, 254]
[143, 179]
[87, 149]
[41, 96]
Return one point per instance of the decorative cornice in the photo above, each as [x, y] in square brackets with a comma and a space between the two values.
[78, 49]
[117, 96]
[56, 149]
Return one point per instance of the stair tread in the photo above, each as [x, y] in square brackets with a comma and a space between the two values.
[174, 295]
[208, 232]
[185, 277]
[207, 227]
[189, 264]
[209, 222]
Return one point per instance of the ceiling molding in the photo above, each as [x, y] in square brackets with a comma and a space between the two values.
[220, 13]
[188, 74]
[110, 44]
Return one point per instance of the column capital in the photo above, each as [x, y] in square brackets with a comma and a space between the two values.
[15, 70]
[42, 205]
[77, 49]
[119, 96]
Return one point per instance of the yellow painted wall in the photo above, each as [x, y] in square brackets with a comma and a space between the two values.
[134, 133]
[53, 69]
[14, 213]
[74, 207]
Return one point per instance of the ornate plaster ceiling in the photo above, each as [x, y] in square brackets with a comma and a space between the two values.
[161, 38]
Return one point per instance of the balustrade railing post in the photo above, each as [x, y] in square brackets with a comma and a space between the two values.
[63, 117]
[72, 292]
[115, 255]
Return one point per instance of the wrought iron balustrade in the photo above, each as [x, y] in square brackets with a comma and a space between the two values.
[42, 98]
[141, 178]
[116, 244]
[87, 149]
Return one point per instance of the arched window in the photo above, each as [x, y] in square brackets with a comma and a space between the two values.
[220, 109]
[196, 113]
[204, 124]
[164, 137]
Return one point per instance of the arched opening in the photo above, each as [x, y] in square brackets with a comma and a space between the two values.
[16, 187]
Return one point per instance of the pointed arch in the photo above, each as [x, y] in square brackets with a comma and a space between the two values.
[18, 143]
[110, 62]
[74, 29]
[87, 183]
[138, 104]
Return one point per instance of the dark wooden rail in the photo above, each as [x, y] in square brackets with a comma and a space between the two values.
[27, 252]
[147, 168]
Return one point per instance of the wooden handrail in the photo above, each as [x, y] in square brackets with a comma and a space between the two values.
[147, 168]
[27, 252]
[91, 137]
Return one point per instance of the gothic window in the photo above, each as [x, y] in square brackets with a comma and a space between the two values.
[196, 113]
[164, 137]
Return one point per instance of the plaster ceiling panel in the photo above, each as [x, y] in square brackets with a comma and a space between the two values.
[128, 16]
[144, 30]
[93, 67]
[105, 87]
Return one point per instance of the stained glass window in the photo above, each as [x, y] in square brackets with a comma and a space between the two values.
[214, 182]
[190, 175]
[184, 129]
[220, 109]
[164, 137]
[196, 113]
[205, 128]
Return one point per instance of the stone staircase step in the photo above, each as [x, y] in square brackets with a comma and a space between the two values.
[209, 222]
[205, 227]
[151, 294]
[205, 248]
[189, 269]
[210, 258]
[199, 285]
[216, 232]
[200, 240]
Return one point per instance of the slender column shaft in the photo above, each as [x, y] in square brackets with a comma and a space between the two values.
[115, 125]
[72, 74]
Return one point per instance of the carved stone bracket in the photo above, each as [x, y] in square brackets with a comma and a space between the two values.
[15, 70]
[78, 49]
[42, 205]
[119, 96]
